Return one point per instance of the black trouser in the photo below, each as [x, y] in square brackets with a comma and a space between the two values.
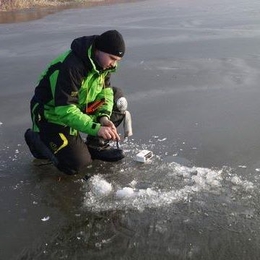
[70, 150]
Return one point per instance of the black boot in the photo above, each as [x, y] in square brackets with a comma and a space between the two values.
[38, 149]
[100, 149]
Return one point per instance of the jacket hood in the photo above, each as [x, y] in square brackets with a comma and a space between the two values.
[81, 45]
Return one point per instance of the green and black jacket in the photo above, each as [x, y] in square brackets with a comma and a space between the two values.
[72, 82]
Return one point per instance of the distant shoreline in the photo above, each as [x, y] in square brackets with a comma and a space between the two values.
[17, 13]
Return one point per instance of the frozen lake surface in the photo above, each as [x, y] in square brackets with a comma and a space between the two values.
[191, 76]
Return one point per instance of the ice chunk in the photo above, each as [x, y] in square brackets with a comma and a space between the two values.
[236, 180]
[46, 218]
[163, 139]
[125, 192]
[99, 186]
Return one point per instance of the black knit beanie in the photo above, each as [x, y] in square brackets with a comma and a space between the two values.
[111, 42]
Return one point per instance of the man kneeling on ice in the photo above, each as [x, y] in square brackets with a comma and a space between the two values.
[74, 95]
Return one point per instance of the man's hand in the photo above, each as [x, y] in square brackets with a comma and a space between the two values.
[104, 121]
[108, 133]
[108, 129]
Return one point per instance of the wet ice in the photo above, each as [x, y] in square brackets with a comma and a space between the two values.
[192, 76]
